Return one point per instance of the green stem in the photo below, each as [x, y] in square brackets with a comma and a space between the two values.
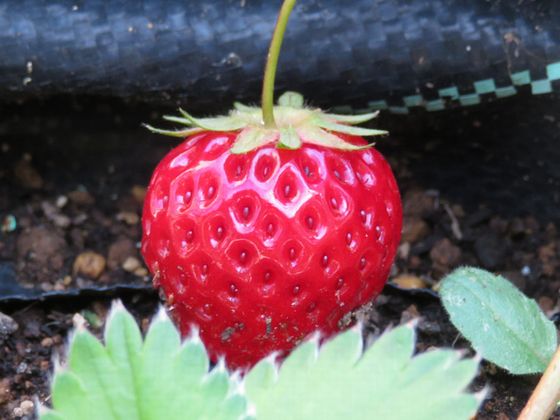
[272, 63]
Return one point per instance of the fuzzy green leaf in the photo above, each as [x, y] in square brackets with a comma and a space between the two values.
[337, 381]
[351, 119]
[501, 323]
[158, 378]
[51, 415]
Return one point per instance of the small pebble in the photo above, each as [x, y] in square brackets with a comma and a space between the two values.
[491, 250]
[47, 342]
[409, 281]
[22, 367]
[7, 325]
[414, 229]
[131, 264]
[418, 203]
[119, 252]
[90, 264]
[61, 201]
[141, 272]
[409, 314]
[26, 175]
[53, 214]
[26, 408]
[139, 193]
[130, 218]
[546, 304]
[79, 321]
[444, 253]
[81, 197]
[9, 224]
[4, 391]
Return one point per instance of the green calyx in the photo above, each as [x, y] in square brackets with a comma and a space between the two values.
[295, 124]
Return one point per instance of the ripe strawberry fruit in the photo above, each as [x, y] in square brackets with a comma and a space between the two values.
[260, 236]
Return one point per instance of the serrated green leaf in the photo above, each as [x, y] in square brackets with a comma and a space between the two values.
[158, 378]
[291, 99]
[502, 324]
[70, 397]
[226, 123]
[351, 119]
[386, 382]
[348, 129]
[124, 345]
[89, 361]
[51, 415]
[289, 138]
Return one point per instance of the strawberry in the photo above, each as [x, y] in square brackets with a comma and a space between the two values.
[265, 226]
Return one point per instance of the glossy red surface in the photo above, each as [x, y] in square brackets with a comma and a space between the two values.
[260, 250]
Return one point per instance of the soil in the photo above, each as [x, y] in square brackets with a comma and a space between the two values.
[72, 178]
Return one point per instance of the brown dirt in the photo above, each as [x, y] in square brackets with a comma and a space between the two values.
[72, 173]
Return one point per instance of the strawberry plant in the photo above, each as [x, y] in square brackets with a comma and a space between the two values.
[161, 378]
[267, 225]
[508, 329]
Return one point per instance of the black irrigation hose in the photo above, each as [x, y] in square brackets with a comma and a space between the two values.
[11, 292]
[395, 54]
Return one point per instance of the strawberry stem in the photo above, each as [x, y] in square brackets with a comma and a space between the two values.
[267, 100]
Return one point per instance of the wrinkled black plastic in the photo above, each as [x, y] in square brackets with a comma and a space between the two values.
[206, 53]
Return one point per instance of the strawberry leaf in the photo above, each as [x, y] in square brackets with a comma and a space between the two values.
[131, 378]
[505, 326]
[339, 380]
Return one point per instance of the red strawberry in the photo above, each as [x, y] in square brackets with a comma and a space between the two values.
[262, 248]
[267, 225]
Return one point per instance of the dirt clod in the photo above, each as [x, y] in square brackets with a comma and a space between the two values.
[418, 203]
[81, 197]
[90, 264]
[414, 229]
[445, 254]
[4, 391]
[119, 252]
[41, 247]
[490, 250]
[26, 175]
